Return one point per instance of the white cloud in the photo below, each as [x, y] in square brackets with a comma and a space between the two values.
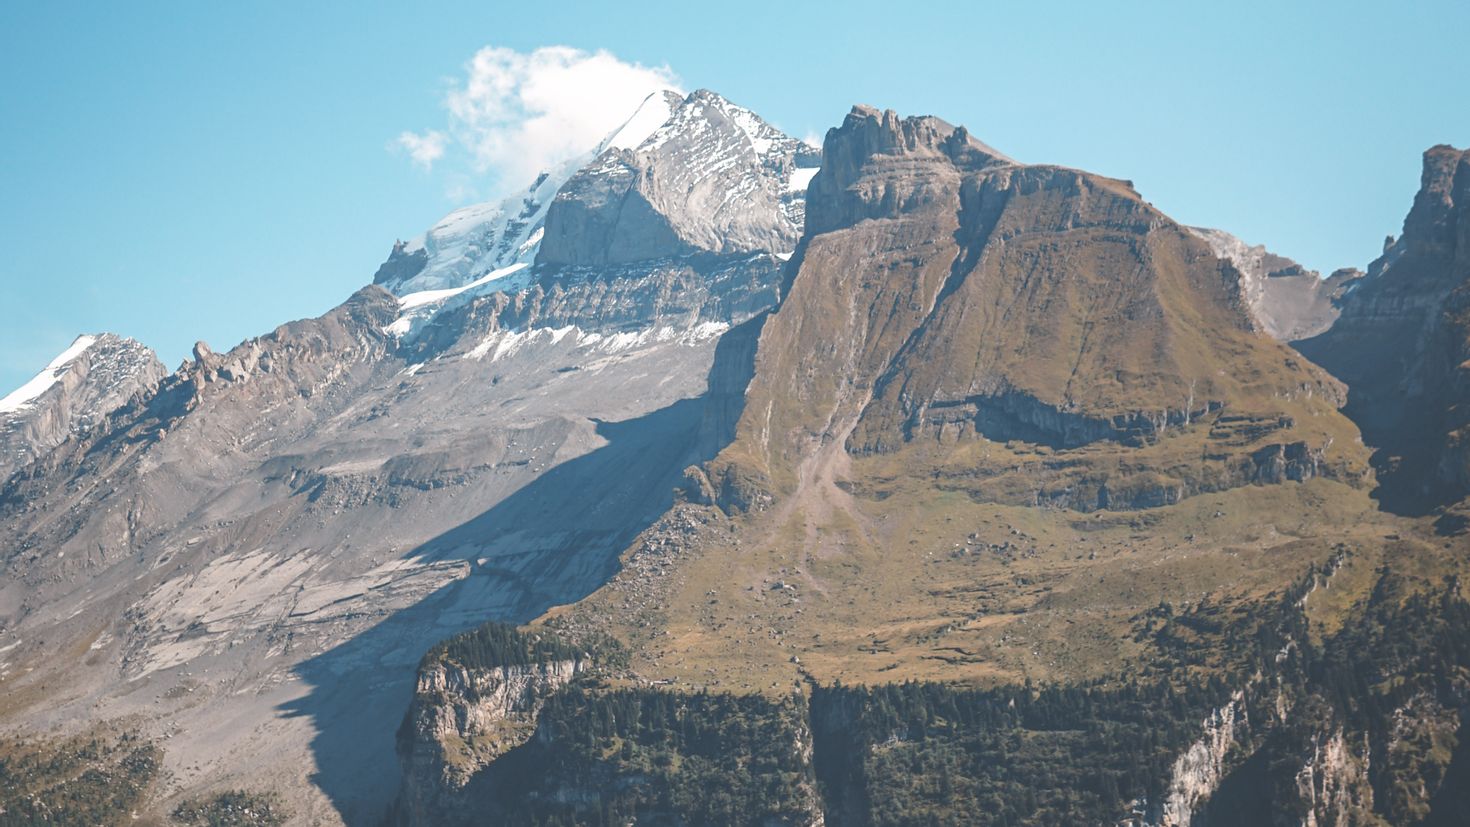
[424, 149]
[515, 114]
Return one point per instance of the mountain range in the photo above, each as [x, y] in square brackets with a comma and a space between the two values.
[717, 478]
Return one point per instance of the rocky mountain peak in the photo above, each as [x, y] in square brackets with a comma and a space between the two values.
[961, 296]
[713, 178]
[481, 238]
[874, 132]
[682, 175]
[877, 164]
[1439, 221]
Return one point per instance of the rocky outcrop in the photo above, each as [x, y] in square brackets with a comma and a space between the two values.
[461, 720]
[1006, 415]
[1402, 343]
[402, 265]
[878, 165]
[1289, 302]
[550, 741]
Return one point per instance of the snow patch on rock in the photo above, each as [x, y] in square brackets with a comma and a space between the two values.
[503, 343]
[26, 394]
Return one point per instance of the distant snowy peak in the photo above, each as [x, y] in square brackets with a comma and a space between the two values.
[705, 175]
[479, 239]
[473, 240]
[25, 396]
[86, 382]
[106, 361]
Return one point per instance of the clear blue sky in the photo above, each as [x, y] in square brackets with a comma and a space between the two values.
[210, 170]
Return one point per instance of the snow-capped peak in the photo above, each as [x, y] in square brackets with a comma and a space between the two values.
[23, 396]
[726, 182]
[713, 178]
[482, 238]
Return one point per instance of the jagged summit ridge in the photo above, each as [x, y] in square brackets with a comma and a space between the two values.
[872, 149]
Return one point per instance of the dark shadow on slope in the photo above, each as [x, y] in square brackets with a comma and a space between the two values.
[1247, 795]
[576, 518]
[1406, 432]
[1407, 445]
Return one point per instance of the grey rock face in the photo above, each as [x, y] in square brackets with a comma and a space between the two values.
[81, 393]
[288, 525]
[714, 178]
[460, 720]
[267, 506]
[1288, 301]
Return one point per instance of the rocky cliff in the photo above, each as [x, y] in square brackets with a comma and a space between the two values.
[549, 739]
[462, 719]
[1401, 347]
[1270, 729]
